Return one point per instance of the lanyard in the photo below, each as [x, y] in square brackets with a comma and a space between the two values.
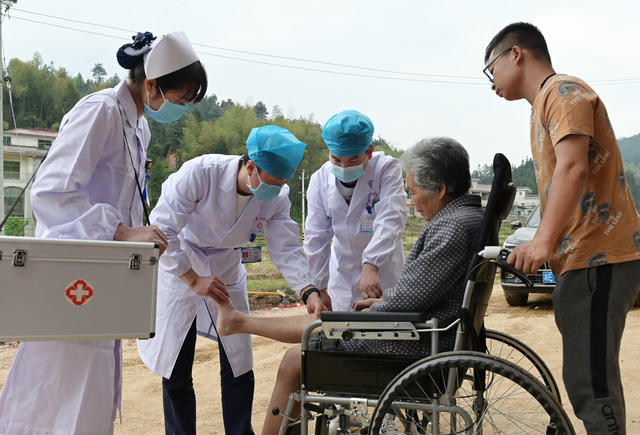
[135, 171]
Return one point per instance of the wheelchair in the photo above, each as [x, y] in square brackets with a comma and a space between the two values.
[489, 383]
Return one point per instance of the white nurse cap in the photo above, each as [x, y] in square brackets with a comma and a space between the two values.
[170, 53]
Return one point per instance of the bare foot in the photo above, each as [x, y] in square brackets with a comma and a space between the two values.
[229, 320]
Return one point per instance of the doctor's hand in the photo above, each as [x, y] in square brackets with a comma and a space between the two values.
[319, 303]
[211, 286]
[150, 233]
[365, 304]
[370, 282]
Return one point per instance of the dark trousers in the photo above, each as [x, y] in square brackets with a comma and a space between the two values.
[179, 399]
[591, 307]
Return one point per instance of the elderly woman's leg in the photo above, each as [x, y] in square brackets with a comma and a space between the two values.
[285, 329]
[288, 380]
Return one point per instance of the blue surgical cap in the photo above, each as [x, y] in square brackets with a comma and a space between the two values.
[348, 133]
[275, 150]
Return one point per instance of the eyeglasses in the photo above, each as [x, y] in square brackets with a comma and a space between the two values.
[486, 68]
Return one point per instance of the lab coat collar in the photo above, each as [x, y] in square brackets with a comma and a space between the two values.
[229, 181]
[227, 196]
[363, 186]
[126, 102]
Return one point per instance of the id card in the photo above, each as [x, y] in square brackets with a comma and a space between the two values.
[251, 254]
[366, 224]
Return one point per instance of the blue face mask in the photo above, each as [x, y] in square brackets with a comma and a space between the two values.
[167, 112]
[264, 191]
[348, 174]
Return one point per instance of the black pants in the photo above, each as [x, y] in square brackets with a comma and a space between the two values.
[179, 399]
[591, 307]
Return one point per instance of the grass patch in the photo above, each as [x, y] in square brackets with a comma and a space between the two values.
[256, 285]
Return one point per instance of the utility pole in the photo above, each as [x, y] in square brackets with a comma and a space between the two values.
[4, 4]
[303, 200]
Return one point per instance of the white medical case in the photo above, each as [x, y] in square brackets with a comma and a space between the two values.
[55, 289]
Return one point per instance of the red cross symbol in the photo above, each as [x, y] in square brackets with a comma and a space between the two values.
[79, 292]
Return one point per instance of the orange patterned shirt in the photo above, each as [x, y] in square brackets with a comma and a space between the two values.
[604, 226]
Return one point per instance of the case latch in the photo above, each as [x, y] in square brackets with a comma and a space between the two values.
[19, 257]
[134, 262]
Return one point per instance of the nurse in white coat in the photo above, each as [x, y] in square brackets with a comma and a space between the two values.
[357, 214]
[210, 209]
[86, 189]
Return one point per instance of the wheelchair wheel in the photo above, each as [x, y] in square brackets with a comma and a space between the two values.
[506, 347]
[490, 396]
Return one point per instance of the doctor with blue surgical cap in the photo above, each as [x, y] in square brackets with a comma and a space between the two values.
[357, 214]
[212, 210]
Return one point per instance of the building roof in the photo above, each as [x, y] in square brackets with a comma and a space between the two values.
[480, 188]
[32, 132]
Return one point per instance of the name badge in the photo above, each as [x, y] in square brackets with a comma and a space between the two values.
[251, 254]
[366, 224]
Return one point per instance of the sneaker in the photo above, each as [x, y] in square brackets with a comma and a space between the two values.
[389, 427]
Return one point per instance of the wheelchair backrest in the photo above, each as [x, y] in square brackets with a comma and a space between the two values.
[480, 278]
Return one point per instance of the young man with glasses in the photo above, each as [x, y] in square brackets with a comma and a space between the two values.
[589, 231]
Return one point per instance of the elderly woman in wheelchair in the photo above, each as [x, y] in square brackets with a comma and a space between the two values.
[380, 359]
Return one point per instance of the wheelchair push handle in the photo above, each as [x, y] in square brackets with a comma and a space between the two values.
[499, 257]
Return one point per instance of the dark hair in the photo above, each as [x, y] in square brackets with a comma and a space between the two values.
[439, 161]
[245, 158]
[193, 77]
[524, 35]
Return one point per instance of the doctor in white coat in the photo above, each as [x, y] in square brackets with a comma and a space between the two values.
[87, 189]
[357, 214]
[210, 209]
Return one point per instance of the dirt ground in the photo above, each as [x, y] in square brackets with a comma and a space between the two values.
[533, 324]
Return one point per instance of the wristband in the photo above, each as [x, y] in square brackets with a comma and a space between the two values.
[305, 295]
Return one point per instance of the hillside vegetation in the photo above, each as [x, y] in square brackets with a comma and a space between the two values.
[42, 93]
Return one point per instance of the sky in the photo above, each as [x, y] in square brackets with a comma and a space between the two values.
[439, 43]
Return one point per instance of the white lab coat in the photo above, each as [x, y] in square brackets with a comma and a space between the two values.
[197, 212]
[334, 241]
[83, 190]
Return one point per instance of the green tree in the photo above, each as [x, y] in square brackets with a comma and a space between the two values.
[634, 187]
[525, 175]
[98, 72]
[379, 144]
[15, 226]
[484, 173]
[261, 110]
[81, 85]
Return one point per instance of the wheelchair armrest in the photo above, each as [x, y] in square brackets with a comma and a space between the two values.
[371, 316]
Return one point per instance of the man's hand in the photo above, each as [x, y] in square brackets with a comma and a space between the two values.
[149, 233]
[211, 286]
[370, 282]
[365, 304]
[318, 303]
[569, 182]
[529, 256]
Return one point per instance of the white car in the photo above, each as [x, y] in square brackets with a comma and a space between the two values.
[515, 292]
